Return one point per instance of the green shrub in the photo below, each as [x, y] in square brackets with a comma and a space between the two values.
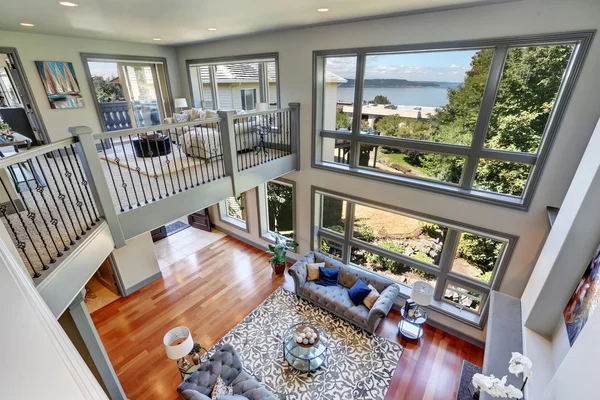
[479, 251]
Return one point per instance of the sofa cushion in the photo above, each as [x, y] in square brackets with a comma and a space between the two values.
[335, 298]
[371, 298]
[313, 271]
[359, 292]
[328, 276]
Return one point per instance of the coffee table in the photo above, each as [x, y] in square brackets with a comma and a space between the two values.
[305, 358]
[152, 147]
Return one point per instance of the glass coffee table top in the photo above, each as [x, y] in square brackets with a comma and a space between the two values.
[309, 357]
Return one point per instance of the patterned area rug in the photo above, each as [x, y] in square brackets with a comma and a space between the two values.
[358, 366]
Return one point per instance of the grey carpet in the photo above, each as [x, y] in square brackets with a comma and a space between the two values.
[358, 365]
[466, 376]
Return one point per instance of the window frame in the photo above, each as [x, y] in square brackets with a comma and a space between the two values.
[227, 219]
[263, 92]
[443, 271]
[263, 213]
[244, 94]
[477, 150]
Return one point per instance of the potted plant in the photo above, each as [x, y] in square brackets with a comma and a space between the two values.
[496, 387]
[4, 128]
[278, 251]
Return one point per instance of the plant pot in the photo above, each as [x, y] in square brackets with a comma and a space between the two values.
[278, 269]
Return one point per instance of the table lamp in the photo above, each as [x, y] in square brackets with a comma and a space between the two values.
[178, 344]
[180, 103]
[422, 294]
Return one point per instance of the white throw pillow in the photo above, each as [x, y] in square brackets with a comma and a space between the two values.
[211, 114]
[181, 118]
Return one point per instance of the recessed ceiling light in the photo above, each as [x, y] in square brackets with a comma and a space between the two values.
[212, 29]
[68, 4]
[322, 9]
[26, 24]
[157, 39]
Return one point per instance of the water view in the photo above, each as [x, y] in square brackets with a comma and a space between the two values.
[410, 96]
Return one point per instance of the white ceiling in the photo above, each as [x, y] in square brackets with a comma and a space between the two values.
[184, 21]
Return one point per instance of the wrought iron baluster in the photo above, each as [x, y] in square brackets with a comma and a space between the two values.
[239, 150]
[129, 170]
[62, 197]
[112, 178]
[78, 202]
[53, 197]
[77, 237]
[178, 145]
[155, 177]
[32, 215]
[221, 158]
[215, 157]
[195, 164]
[160, 163]
[123, 184]
[168, 162]
[252, 138]
[53, 220]
[147, 172]
[289, 132]
[84, 182]
[20, 244]
[189, 165]
[202, 163]
[187, 151]
[137, 169]
[210, 158]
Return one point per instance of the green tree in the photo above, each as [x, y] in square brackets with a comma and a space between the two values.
[381, 99]
[279, 201]
[479, 251]
[106, 91]
[342, 121]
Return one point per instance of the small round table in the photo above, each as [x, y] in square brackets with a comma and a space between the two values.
[305, 358]
[412, 327]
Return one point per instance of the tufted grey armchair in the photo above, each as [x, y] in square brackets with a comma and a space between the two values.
[335, 299]
[226, 364]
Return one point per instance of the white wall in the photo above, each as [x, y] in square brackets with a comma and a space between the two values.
[33, 47]
[136, 261]
[516, 18]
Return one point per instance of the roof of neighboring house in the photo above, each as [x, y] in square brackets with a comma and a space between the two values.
[243, 72]
[331, 77]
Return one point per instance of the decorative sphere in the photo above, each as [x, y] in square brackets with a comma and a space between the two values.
[305, 341]
[311, 340]
[303, 335]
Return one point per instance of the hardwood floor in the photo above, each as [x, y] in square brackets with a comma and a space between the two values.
[210, 291]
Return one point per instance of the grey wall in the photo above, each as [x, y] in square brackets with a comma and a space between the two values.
[516, 18]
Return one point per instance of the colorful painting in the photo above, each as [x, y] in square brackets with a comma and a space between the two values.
[584, 300]
[60, 84]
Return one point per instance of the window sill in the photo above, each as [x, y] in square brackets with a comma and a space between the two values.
[475, 195]
[241, 225]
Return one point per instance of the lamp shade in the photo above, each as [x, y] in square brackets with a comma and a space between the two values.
[262, 107]
[422, 293]
[176, 348]
[181, 103]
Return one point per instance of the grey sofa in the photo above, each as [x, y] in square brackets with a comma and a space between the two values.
[227, 364]
[336, 300]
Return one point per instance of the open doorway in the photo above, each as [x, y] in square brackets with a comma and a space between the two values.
[102, 288]
[129, 92]
[17, 106]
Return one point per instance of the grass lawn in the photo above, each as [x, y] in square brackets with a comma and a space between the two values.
[400, 159]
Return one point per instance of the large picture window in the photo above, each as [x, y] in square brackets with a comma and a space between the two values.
[236, 83]
[473, 119]
[232, 210]
[463, 263]
[276, 208]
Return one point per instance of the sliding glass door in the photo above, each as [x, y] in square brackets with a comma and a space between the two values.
[129, 93]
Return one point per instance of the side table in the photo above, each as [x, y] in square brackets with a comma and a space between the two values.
[412, 327]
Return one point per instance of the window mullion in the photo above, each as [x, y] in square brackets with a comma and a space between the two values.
[263, 82]
[485, 113]
[348, 232]
[357, 109]
[448, 251]
[212, 72]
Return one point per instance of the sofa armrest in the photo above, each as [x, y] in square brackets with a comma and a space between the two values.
[383, 305]
[193, 395]
[298, 272]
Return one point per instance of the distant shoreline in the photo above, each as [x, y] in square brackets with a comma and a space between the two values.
[397, 84]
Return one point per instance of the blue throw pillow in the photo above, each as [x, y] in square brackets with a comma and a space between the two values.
[328, 276]
[359, 292]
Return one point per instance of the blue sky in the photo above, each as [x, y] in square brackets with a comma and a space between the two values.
[441, 66]
[105, 69]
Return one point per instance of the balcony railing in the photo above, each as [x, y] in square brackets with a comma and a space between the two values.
[47, 205]
[137, 179]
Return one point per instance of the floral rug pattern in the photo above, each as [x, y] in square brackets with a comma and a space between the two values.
[358, 365]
